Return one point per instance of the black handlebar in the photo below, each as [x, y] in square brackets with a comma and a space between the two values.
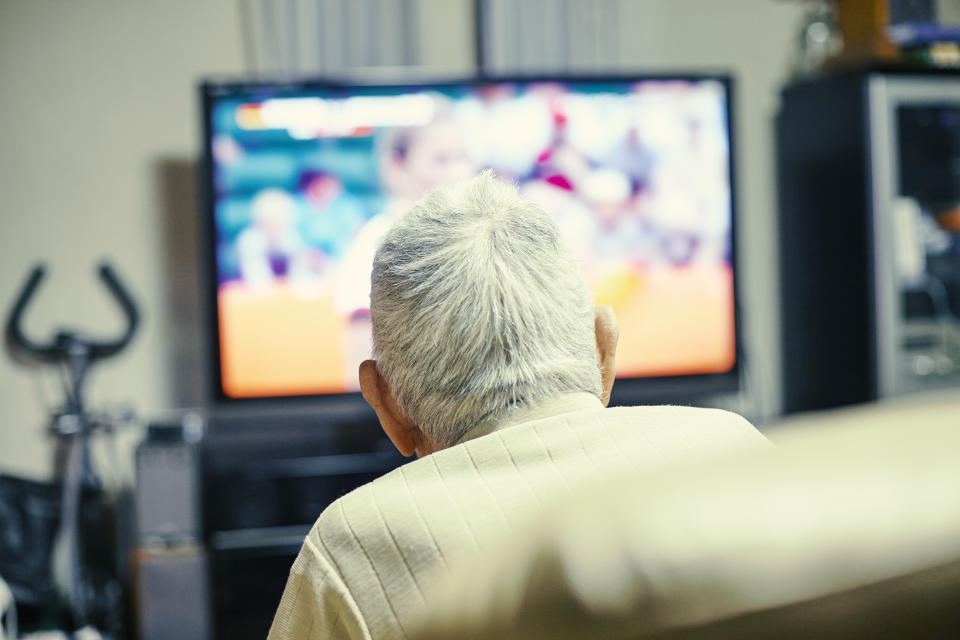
[57, 349]
[123, 298]
[14, 334]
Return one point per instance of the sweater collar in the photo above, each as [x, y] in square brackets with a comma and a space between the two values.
[537, 410]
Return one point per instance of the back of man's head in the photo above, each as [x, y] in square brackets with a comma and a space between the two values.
[477, 306]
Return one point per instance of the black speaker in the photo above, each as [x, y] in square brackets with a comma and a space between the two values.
[168, 495]
[172, 593]
[869, 239]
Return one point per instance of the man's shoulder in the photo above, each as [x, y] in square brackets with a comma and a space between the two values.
[369, 510]
[706, 426]
[346, 514]
[647, 420]
[693, 416]
[407, 496]
[641, 435]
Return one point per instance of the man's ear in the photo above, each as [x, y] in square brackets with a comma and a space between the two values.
[608, 333]
[403, 433]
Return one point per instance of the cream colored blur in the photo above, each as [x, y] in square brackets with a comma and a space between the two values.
[850, 527]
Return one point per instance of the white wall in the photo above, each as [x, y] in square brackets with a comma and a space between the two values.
[94, 95]
[99, 107]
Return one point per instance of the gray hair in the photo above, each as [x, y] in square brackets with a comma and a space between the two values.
[478, 306]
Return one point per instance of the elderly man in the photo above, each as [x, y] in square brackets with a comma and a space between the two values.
[493, 367]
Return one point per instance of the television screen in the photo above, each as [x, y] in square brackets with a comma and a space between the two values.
[306, 179]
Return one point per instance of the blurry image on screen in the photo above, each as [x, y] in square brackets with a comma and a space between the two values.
[306, 184]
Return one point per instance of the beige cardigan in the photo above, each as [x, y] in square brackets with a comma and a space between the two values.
[363, 568]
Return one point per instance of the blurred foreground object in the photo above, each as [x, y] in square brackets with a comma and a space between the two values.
[849, 528]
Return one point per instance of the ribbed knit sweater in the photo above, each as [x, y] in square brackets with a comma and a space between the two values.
[364, 565]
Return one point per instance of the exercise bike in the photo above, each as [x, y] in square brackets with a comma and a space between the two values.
[94, 592]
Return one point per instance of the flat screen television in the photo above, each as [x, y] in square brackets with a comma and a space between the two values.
[304, 178]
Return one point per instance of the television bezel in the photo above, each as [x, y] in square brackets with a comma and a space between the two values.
[626, 391]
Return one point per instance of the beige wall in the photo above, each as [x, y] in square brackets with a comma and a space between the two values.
[99, 110]
[95, 94]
